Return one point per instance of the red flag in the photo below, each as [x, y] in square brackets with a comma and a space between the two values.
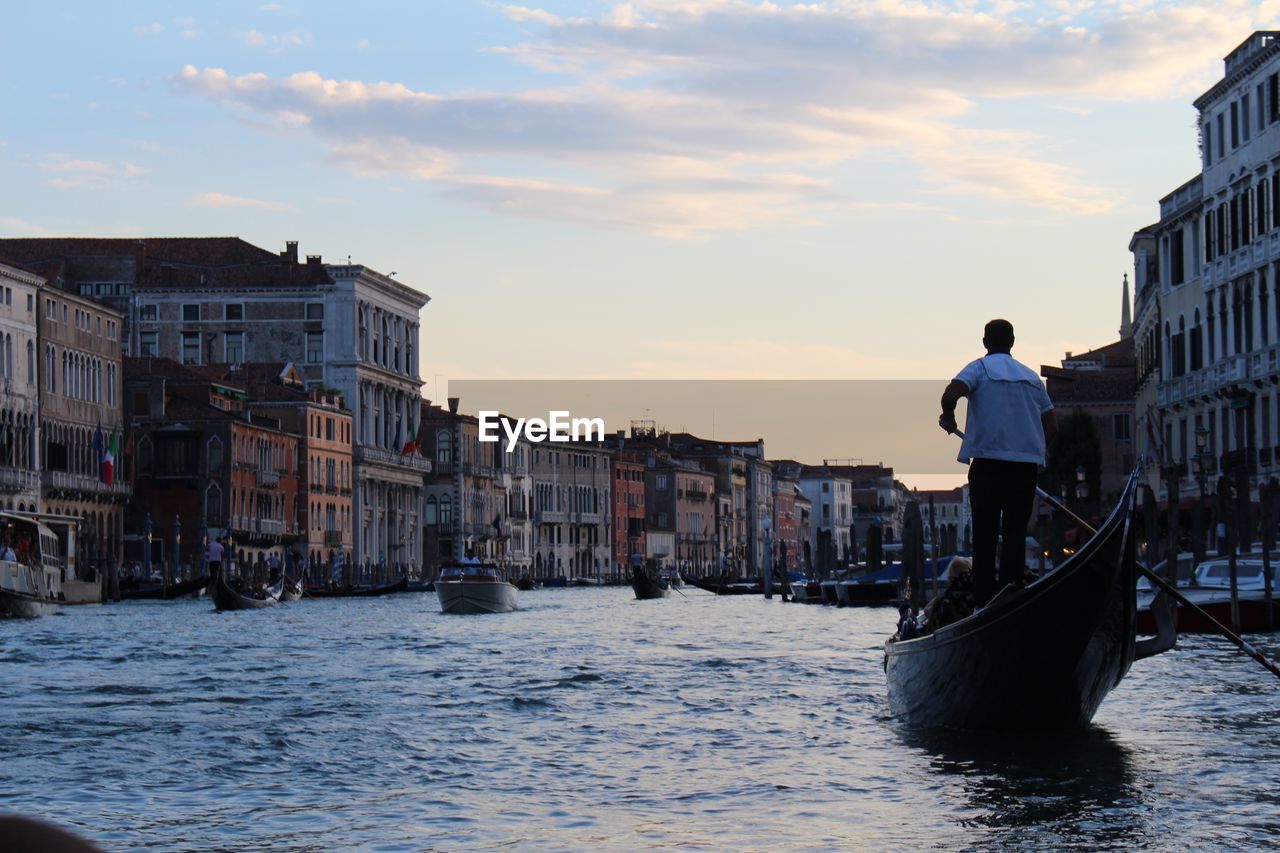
[410, 446]
[108, 467]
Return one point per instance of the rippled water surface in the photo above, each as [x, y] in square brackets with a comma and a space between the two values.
[585, 720]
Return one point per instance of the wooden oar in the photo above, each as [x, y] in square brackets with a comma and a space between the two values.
[1177, 596]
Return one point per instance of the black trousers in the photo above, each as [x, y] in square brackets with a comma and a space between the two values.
[1001, 495]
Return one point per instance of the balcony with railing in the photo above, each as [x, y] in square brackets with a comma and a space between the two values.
[269, 527]
[18, 480]
[268, 479]
[333, 537]
[369, 455]
[64, 481]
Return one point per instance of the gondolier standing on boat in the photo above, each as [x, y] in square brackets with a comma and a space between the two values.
[1009, 424]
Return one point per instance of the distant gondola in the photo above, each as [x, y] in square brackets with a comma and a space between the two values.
[724, 585]
[1041, 658]
[226, 597]
[648, 584]
[290, 590]
[400, 585]
[154, 591]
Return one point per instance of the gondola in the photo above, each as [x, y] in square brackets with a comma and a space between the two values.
[726, 586]
[227, 598]
[648, 584]
[400, 585]
[1036, 659]
[290, 590]
[158, 591]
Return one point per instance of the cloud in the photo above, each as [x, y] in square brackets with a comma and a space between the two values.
[153, 29]
[75, 173]
[679, 118]
[279, 42]
[223, 200]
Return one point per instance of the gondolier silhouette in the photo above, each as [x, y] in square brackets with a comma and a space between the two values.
[1009, 424]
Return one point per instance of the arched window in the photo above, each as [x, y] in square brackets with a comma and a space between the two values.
[444, 447]
[446, 511]
[213, 451]
[213, 505]
[31, 364]
[432, 507]
[146, 455]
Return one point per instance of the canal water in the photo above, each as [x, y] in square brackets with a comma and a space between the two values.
[590, 720]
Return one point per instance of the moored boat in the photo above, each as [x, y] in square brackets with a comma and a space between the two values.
[177, 589]
[31, 578]
[1039, 658]
[474, 588]
[398, 585]
[234, 595]
[724, 585]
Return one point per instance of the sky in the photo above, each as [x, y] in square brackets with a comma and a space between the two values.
[648, 190]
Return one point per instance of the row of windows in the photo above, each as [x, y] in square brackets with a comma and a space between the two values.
[232, 312]
[381, 336]
[6, 298]
[7, 367]
[1236, 222]
[84, 377]
[1233, 125]
[86, 321]
[333, 429]
[233, 351]
[1234, 332]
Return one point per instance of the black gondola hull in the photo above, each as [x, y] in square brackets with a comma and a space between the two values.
[179, 589]
[1039, 659]
[647, 587]
[226, 598]
[401, 585]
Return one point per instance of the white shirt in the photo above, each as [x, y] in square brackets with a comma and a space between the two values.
[1006, 399]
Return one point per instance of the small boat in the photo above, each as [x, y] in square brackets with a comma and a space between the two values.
[233, 595]
[581, 580]
[807, 592]
[399, 585]
[725, 585]
[290, 590]
[154, 591]
[648, 583]
[474, 588]
[420, 585]
[1041, 658]
[527, 583]
[31, 583]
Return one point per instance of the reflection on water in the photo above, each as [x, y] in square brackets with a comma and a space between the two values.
[1074, 788]
[588, 719]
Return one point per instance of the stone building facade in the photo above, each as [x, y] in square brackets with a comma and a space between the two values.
[202, 301]
[20, 464]
[573, 520]
[81, 417]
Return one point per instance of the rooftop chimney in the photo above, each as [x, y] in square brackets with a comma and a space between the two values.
[290, 252]
[453, 405]
[312, 260]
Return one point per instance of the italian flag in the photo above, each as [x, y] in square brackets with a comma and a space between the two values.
[109, 458]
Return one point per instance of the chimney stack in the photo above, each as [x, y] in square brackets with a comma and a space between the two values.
[453, 405]
[290, 252]
[312, 260]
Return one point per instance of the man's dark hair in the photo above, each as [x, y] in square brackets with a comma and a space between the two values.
[997, 336]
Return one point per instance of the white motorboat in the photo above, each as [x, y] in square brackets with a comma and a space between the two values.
[474, 589]
[31, 577]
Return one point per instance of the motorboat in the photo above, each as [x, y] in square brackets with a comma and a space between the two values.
[474, 588]
[31, 579]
